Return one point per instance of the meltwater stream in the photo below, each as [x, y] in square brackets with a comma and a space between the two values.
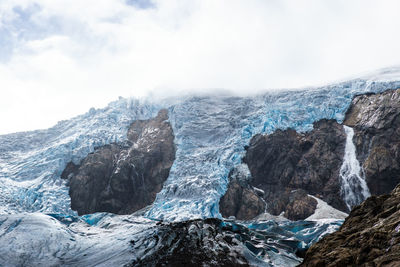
[354, 188]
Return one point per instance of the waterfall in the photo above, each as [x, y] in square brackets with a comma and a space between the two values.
[354, 189]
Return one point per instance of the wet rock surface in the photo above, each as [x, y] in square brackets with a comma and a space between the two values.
[370, 236]
[375, 119]
[123, 178]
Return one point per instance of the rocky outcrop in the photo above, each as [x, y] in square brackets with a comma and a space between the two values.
[123, 178]
[287, 165]
[370, 236]
[285, 162]
[375, 119]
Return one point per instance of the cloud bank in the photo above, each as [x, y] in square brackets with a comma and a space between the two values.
[59, 58]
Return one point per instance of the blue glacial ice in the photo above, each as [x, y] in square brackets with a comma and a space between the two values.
[31, 162]
[37, 239]
[211, 132]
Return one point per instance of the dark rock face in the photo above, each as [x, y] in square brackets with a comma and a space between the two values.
[123, 178]
[376, 122]
[370, 236]
[285, 161]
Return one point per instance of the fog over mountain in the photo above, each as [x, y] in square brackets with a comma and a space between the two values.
[59, 59]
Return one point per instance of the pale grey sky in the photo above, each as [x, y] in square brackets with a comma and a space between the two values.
[59, 58]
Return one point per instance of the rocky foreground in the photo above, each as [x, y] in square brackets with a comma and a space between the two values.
[214, 242]
[370, 236]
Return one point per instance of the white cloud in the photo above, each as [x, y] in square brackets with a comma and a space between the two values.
[65, 56]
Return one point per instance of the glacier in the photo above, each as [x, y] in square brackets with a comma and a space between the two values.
[211, 132]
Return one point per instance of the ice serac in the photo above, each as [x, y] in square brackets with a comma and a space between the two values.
[212, 131]
[123, 178]
[375, 119]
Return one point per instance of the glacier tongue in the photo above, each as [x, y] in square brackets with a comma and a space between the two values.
[210, 134]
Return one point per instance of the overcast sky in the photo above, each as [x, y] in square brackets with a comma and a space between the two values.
[59, 58]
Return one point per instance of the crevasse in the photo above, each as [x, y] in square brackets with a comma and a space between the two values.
[354, 189]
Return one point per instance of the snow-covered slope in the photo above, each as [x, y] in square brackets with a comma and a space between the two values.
[325, 212]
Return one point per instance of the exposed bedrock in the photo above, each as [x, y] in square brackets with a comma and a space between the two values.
[370, 236]
[285, 161]
[123, 178]
[287, 165]
[376, 122]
